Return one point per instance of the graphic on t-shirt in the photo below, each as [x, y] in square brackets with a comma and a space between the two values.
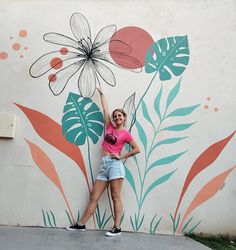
[111, 138]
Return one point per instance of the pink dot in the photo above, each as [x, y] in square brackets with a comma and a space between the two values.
[21, 56]
[56, 63]
[3, 55]
[139, 41]
[16, 46]
[206, 107]
[52, 78]
[22, 33]
[216, 109]
[63, 51]
[25, 48]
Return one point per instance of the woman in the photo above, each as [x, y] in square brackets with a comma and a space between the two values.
[112, 170]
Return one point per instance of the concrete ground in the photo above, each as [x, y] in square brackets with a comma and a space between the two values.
[32, 238]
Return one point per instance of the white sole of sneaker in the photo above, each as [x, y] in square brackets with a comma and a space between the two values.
[112, 235]
[71, 229]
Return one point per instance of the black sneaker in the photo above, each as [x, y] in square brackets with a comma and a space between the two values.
[76, 227]
[113, 232]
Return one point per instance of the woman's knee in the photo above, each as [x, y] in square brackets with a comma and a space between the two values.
[93, 198]
[115, 196]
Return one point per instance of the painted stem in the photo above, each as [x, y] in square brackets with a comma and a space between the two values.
[68, 206]
[143, 97]
[140, 203]
[146, 157]
[150, 150]
[92, 178]
[89, 160]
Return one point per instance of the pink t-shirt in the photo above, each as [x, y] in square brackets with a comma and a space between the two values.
[114, 140]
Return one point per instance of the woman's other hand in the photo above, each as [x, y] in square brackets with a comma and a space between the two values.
[115, 156]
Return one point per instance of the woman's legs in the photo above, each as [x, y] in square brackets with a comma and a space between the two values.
[98, 189]
[115, 186]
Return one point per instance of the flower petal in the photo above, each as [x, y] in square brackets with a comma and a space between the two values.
[105, 73]
[127, 62]
[80, 26]
[57, 38]
[87, 80]
[129, 108]
[42, 65]
[104, 35]
[59, 80]
[113, 46]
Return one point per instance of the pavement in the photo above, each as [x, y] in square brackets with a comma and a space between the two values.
[36, 238]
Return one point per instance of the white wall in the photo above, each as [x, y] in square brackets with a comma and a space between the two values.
[210, 29]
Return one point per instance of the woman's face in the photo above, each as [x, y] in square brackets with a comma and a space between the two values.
[118, 118]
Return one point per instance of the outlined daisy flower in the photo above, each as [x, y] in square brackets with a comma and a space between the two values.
[83, 59]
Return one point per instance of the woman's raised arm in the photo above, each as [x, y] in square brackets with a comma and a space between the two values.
[106, 113]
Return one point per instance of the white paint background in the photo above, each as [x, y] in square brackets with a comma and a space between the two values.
[210, 26]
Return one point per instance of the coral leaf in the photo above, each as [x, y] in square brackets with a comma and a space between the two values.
[44, 164]
[48, 169]
[51, 132]
[202, 162]
[206, 192]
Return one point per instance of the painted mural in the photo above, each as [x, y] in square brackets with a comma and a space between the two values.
[83, 61]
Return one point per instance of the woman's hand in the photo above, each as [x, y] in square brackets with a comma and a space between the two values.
[115, 156]
[99, 89]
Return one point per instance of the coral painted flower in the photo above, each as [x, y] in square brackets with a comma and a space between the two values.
[81, 58]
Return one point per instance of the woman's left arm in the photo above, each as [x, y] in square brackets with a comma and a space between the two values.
[135, 150]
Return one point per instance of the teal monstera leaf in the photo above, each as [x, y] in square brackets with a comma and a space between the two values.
[168, 56]
[81, 119]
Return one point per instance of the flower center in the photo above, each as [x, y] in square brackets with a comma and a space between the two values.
[88, 48]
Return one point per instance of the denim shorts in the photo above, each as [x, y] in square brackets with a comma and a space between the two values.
[110, 169]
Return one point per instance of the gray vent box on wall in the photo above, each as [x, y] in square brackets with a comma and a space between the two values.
[7, 125]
